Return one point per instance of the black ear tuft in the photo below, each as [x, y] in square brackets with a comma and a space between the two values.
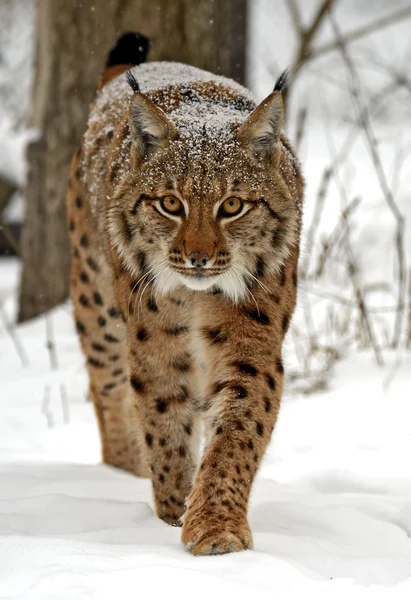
[281, 81]
[130, 49]
[132, 82]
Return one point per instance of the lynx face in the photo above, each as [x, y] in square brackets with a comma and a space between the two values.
[205, 209]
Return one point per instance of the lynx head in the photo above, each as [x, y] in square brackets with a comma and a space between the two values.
[204, 205]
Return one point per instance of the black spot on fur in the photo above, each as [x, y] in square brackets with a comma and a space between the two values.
[81, 328]
[143, 334]
[239, 391]
[71, 225]
[258, 316]
[92, 264]
[117, 372]
[282, 276]
[161, 405]
[182, 363]
[182, 451]
[98, 299]
[259, 428]
[270, 381]
[219, 386]
[79, 202]
[246, 368]
[101, 321]
[149, 440]
[114, 312]
[295, 279]
[176, 330]
[285, 323]
[114, 357]
[98, 347]
[109, 386]
[84, 241]
[152, 305]
[216, 336]
[84, 277]
[182, 395]
[187, 428]
[84, 301]
[260, 267]
[137, 384]
[250, 444]
[219, 430]
[111, 338]
[95, 363]
[280, 366]
[267, 404]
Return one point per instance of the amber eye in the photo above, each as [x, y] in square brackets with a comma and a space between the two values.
[172, 205]
[230, 207]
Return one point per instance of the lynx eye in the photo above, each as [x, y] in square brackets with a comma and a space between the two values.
[230, 207]
[172, 205]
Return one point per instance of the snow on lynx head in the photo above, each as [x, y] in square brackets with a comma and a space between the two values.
[202, 202]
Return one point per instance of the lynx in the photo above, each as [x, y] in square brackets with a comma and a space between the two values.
[184, 207]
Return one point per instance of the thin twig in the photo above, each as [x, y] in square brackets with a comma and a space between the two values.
[354, 85]
[306, 38]
[319, 205]
[335, 237]
[361, 32]
[295, 14]
[12, 331]
[300, 128]
[50, 344]
[45, 407]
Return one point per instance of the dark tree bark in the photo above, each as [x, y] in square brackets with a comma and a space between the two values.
[73, 38]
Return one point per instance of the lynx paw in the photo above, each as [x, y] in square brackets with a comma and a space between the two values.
[215, 534]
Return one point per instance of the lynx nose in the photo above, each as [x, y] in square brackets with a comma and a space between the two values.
[198, 259]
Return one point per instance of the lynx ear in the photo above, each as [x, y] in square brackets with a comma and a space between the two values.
[149, 126]
[261, 131]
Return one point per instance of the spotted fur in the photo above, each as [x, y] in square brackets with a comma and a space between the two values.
[181, 316]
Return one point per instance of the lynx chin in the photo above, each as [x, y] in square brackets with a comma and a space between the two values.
[184, 210]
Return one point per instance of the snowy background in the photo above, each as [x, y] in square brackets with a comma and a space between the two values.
[331, 507]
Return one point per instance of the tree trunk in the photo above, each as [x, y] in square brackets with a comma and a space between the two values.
[72, 42]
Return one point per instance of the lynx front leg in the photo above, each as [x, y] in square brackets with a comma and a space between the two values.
[246, 381]
[160, 369]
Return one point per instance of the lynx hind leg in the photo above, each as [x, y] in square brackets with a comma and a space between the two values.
[103, 337]
[120, 442]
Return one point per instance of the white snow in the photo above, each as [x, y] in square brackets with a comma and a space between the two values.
[330, 511]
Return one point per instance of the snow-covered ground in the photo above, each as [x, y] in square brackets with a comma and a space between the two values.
[330, 511]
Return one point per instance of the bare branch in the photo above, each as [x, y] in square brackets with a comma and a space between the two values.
[300, 129]
[12, 331]
[294, 11]
[335, 236]
[319, 205]
[361, 32]
[306, 37]
[364, 119]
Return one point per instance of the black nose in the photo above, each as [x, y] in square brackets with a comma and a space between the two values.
[198, 259]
